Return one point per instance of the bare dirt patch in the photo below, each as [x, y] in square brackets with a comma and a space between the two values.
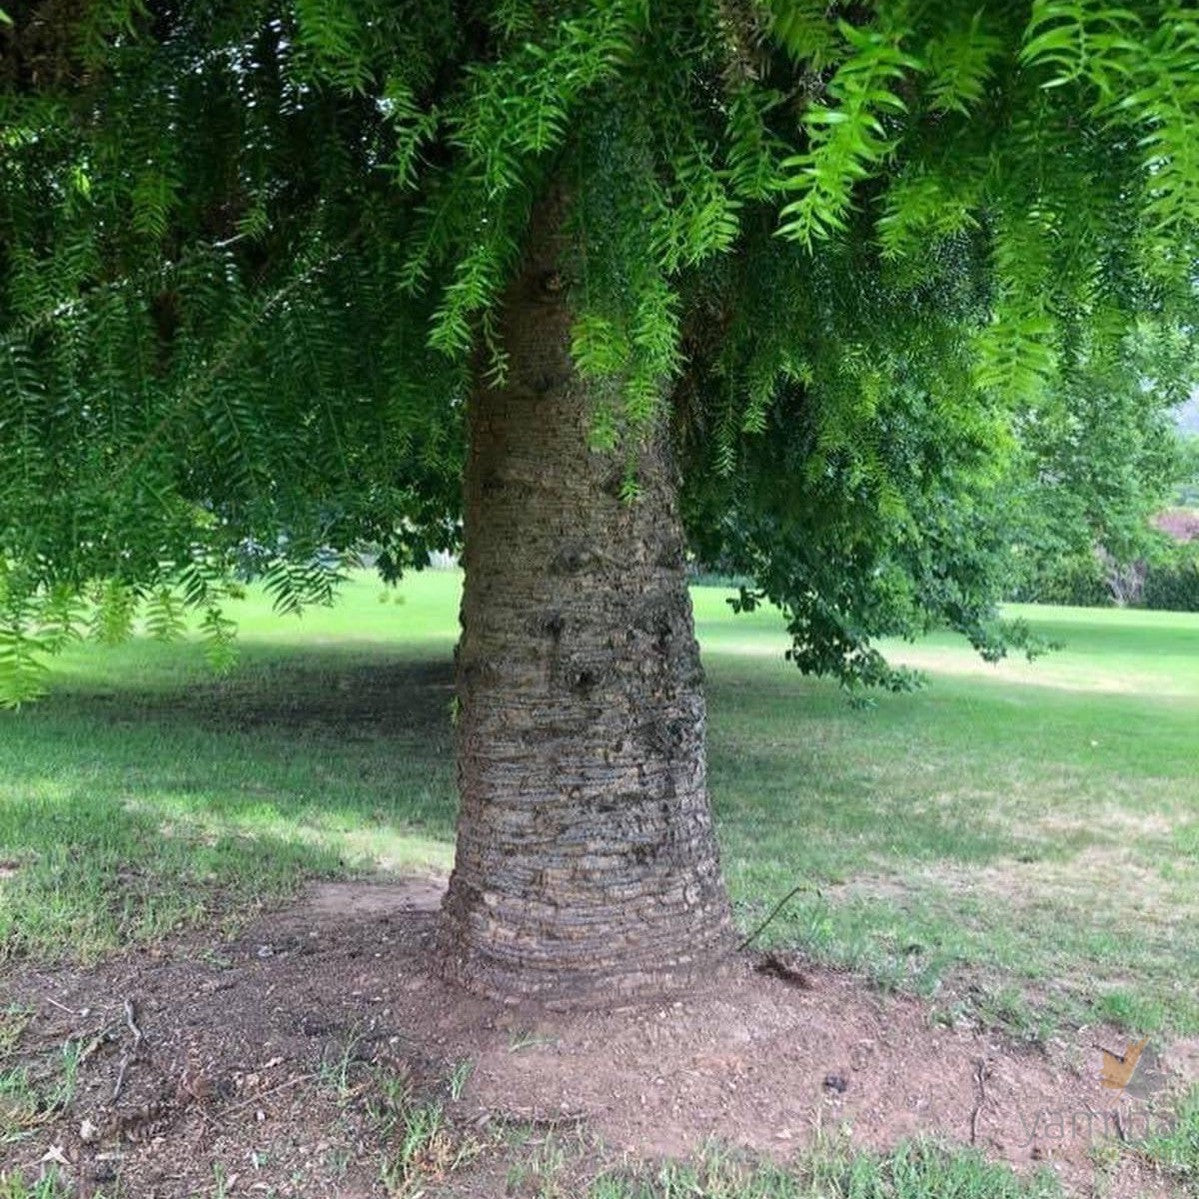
[267, 1062]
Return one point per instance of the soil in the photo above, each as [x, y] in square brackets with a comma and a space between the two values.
[271, 1063]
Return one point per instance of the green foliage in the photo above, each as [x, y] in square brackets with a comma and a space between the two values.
[22, 666]
[867, 259]
[1172, 583]
[805, 30]
[847, 138]
[1141, 66]
[1165, 578]
[1093, 473]
[1055, 577]
[166, 617]
[960, 65]
[1081, 40]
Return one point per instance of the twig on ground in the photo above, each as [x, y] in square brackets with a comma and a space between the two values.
[121, 1069]
[129, 1054]
[131, 1020]
[778, 907]
[532, 1119]
[980, 1077]
[291, 1082]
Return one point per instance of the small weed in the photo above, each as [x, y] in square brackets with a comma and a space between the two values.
[49, 1186]
[335, 1074]
[420, 1144]
[220, 1181]
[526, 1039]
[542, 1174]
[459, 1077]
[18, 1104]
[337, 1162]
[389, 1096]
[13, 1022]
[425, 1149]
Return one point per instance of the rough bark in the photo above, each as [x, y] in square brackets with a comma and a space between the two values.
[586, 868]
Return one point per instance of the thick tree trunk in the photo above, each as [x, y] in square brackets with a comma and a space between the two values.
[586, 867]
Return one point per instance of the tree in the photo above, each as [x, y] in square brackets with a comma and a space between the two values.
[788, 281]
[1104, 461]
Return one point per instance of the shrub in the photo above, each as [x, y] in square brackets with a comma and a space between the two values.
[1173, 584]
[1074, 579]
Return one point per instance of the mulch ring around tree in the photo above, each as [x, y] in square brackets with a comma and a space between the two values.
[319, 1054]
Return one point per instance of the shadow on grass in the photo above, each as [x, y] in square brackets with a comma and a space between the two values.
[137, 802]
[323, 691]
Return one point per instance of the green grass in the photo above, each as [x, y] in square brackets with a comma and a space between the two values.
[912, 1171]
[553, 1171]
[1176, 1152]
[32, 1094]
[1031, 830]
[1018, 842]
[49, 1186]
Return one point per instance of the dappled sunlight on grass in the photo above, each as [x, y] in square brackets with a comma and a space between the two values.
[1045, 672]
[1115, 651]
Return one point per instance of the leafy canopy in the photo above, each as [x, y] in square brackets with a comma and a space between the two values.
[870, 258]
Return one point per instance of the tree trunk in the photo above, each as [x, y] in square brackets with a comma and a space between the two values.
[586, 867]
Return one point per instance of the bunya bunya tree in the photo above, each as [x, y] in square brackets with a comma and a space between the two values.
[585, 289]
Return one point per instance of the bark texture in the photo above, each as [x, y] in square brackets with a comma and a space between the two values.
[586, 869]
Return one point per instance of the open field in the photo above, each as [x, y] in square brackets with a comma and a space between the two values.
[1022, 839]
[1016, 847]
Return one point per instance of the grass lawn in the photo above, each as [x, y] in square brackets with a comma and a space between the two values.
[1019, 842]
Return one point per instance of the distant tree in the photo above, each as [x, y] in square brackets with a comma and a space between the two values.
[790, 281]
[1099, 464]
